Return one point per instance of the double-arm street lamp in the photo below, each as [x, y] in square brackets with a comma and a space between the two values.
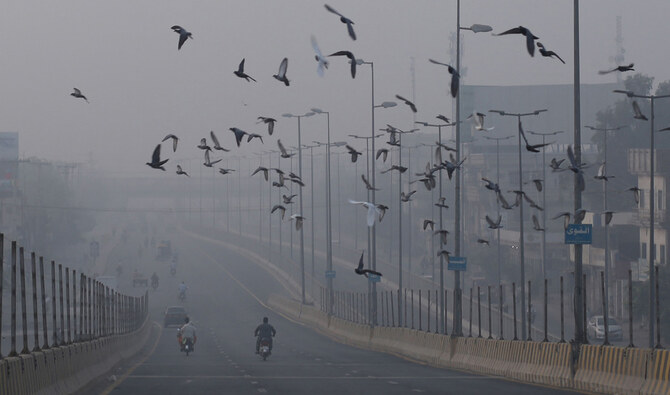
[302, 237]
[520, 200]
[652, 247]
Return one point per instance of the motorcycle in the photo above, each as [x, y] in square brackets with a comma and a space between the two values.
[182, 296]
[154, 284]
[264, 348]
[187, 346]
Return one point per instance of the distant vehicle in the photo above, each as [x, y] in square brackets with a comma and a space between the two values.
[174, 315]
[596, 328]
[164, 251]
[109, 281]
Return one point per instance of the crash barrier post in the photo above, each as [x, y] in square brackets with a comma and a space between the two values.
[610, 369]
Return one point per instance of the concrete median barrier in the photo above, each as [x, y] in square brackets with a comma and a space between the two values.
[615, 370]
[658, 373]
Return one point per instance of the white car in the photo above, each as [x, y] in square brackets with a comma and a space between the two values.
[596, 328]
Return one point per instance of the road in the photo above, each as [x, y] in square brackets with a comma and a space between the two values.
[226, 299]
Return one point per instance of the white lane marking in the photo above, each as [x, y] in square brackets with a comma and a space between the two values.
[254, 382]
[262, 390]
[440, 378]
[392, 382]
[417, 390]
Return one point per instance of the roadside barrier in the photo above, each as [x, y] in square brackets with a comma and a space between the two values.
[658, 370]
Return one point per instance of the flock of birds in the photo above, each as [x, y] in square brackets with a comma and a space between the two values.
[375, 212]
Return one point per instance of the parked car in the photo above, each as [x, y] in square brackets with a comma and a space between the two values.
[596, 328]
[174, 315]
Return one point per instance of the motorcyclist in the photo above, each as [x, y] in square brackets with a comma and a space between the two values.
[154, 280]
[173, 266]
[187, 331]
[266, 331]
[182, 290]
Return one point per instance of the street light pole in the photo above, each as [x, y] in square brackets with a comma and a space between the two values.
[652, 191]
[521, 237]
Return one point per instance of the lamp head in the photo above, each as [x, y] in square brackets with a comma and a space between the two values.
[477, 28]
[389, 104]
[317, 110]
[287, 115]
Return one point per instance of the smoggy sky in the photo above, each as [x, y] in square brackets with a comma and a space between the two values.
[123, 56]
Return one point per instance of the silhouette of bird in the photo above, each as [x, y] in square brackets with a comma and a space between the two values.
[440, 203]
[406, 197]
[156, 162]
[664, 129]
[382, 210]
[345, 20]
[531, 202]
[636, 194]
[556, 164]
[529, 147]
[364, 272]
[284, 154]
[538, 184]
[444, 253]
[483, 241]
[409, 103]
[400, 169]
[545, 53]
[318, 55]
[579, 215]
[455, 77]
[203, 145]
[638, 112]
[263, 169]
[215, 140]
[252, 136]
[367, 184]
[446, 147]
[576, 168]
[175, 140]
[619, 68]
[352, 60]
[354, 154]
[288, 199]
[299, 219]
[443, 235]
[294, 176]
[427, 223]
[297, 181]
[393, 139]
[240, 72]
[566, 218]
[494, 224]
[239, 134]
[530, 38]
[180, 171]
[383, 152]
[503, 202]
[270, 122]
[602, 175]
[281, 74]
[183, 35]
[280, 208]
[608, 216]
[536, 224]
[373, 211]
[440, 116]
[77, 93]
[478, 119]
[490, 185]
[208, 162]
[225, 171]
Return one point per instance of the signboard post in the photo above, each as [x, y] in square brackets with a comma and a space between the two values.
[458, 263]
[579, 234]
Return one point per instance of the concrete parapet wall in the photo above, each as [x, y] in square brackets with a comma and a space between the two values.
[65, 369]
[604, 369]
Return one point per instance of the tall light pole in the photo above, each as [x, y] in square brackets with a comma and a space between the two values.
[302, 235]
[458, 299]
[498, 140]
[521, 239]
[607, 231]
[652, 248]
[439, 140]
[544, 197]
[312, 218]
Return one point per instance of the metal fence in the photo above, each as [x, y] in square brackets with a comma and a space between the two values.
[80, 307]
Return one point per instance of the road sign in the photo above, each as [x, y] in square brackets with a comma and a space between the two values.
[579, 234]
[457, 263]
[330, 273]
[373, 278]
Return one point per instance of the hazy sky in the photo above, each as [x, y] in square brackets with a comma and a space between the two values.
[123, 56]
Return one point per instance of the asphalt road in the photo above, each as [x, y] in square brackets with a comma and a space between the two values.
[226, 301]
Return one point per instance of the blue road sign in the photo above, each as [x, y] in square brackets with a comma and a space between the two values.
[330, 273]
[457, 263]
[579, 234]
[373, 278]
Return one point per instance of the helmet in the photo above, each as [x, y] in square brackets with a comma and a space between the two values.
[186, 320]
[265, 320]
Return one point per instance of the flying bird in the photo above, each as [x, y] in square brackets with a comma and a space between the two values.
[442, 117]
[225, 171]
[318, 55]
[536, 224]
[263, 169]
[174, 138]
[444, 254]
[299, 219]
[538, 184]
[240, 72]
[441, 203]
[180, 171]
[492, 224]
[443, 235]
[252, 136]
[427, 223]
[579, 215]
[383, 152]
[576, 168]
[409, 103]
[556, 164]
[545, 53]
[602, 175]
[270, 122]
[288, 199]
[406, 197]
[373, 211]
[531, 147]
[400, 169]
[354, 154]
[482, 241]
[281, 74]
[382, 210]
[367, 184]
[284, 154]
[455, 77]
[530, 38]
[503, 202]
[183, 35]
[215, 140]
[294, 176]
[203, 145]
[490, 185]
[208, 162]
[345, 20]
[478, 118]
[619, 68]
[636, 194]
[156, 162]
[77, 93]
[239, 134]
[608, 216]
[352, 60]
[280, 208]
[638, 112]
[566, 218]
[364, 272]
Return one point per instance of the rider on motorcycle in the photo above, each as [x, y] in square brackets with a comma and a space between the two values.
[182, 290]
[154, 280]
[186, 332]
[264, 331]
[173, 266]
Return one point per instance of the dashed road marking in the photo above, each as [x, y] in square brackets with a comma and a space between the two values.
[392, 382]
